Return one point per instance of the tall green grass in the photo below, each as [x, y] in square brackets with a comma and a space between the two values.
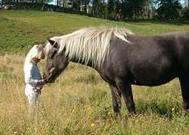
[79, 102]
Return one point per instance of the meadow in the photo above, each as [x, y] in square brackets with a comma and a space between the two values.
[79, 102]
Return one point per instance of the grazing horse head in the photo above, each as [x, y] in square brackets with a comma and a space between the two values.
[56, 61]
[88, 46]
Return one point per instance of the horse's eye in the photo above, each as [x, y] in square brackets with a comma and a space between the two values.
[52, 55]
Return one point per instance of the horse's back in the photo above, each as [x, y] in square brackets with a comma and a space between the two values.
[149, 60]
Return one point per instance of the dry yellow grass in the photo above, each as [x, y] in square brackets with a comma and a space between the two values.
[80, 103]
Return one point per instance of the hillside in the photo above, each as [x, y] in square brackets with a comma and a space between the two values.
[79, 102]
[20, 29]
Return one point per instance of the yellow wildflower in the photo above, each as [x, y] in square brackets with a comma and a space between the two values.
[173, 109]
[92, 125]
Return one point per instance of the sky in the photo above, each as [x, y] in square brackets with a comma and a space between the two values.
[182, 2]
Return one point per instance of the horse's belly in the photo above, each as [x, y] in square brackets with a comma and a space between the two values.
[147, 82]
[154, 77]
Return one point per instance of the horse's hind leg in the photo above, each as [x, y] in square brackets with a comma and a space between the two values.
[184, 82]
[126, 90]
[116, 100]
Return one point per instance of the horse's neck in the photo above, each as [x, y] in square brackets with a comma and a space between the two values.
[82, 62]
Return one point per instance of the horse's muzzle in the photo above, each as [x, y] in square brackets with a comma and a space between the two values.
[48, 77]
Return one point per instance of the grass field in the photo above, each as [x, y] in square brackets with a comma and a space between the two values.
[79, 103]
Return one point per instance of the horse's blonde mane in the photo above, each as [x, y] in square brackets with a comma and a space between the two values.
[90, 44]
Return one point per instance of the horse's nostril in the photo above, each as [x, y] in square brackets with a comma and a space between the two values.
[44, 75]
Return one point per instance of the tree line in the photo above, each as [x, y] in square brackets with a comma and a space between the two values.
[120, 9]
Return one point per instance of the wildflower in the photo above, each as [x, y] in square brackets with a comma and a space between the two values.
[172, 109]
[92, 125]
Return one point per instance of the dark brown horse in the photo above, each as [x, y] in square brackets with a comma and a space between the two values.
[122, 59]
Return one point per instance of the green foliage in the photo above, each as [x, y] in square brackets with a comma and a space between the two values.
[127, 9]
[113, 9]
[98, 8]
[169, 9]
[185, 13]
[78, 3]
[134, 8]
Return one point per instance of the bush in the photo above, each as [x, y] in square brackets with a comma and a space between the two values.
[168, 13]
[185, 13]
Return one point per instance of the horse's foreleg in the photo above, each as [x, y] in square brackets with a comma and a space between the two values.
[116, 100]
[127, 95]
[184, 82]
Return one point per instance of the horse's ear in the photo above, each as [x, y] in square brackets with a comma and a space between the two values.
[52, 42]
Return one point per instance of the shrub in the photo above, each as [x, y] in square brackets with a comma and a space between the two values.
[185, 13]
